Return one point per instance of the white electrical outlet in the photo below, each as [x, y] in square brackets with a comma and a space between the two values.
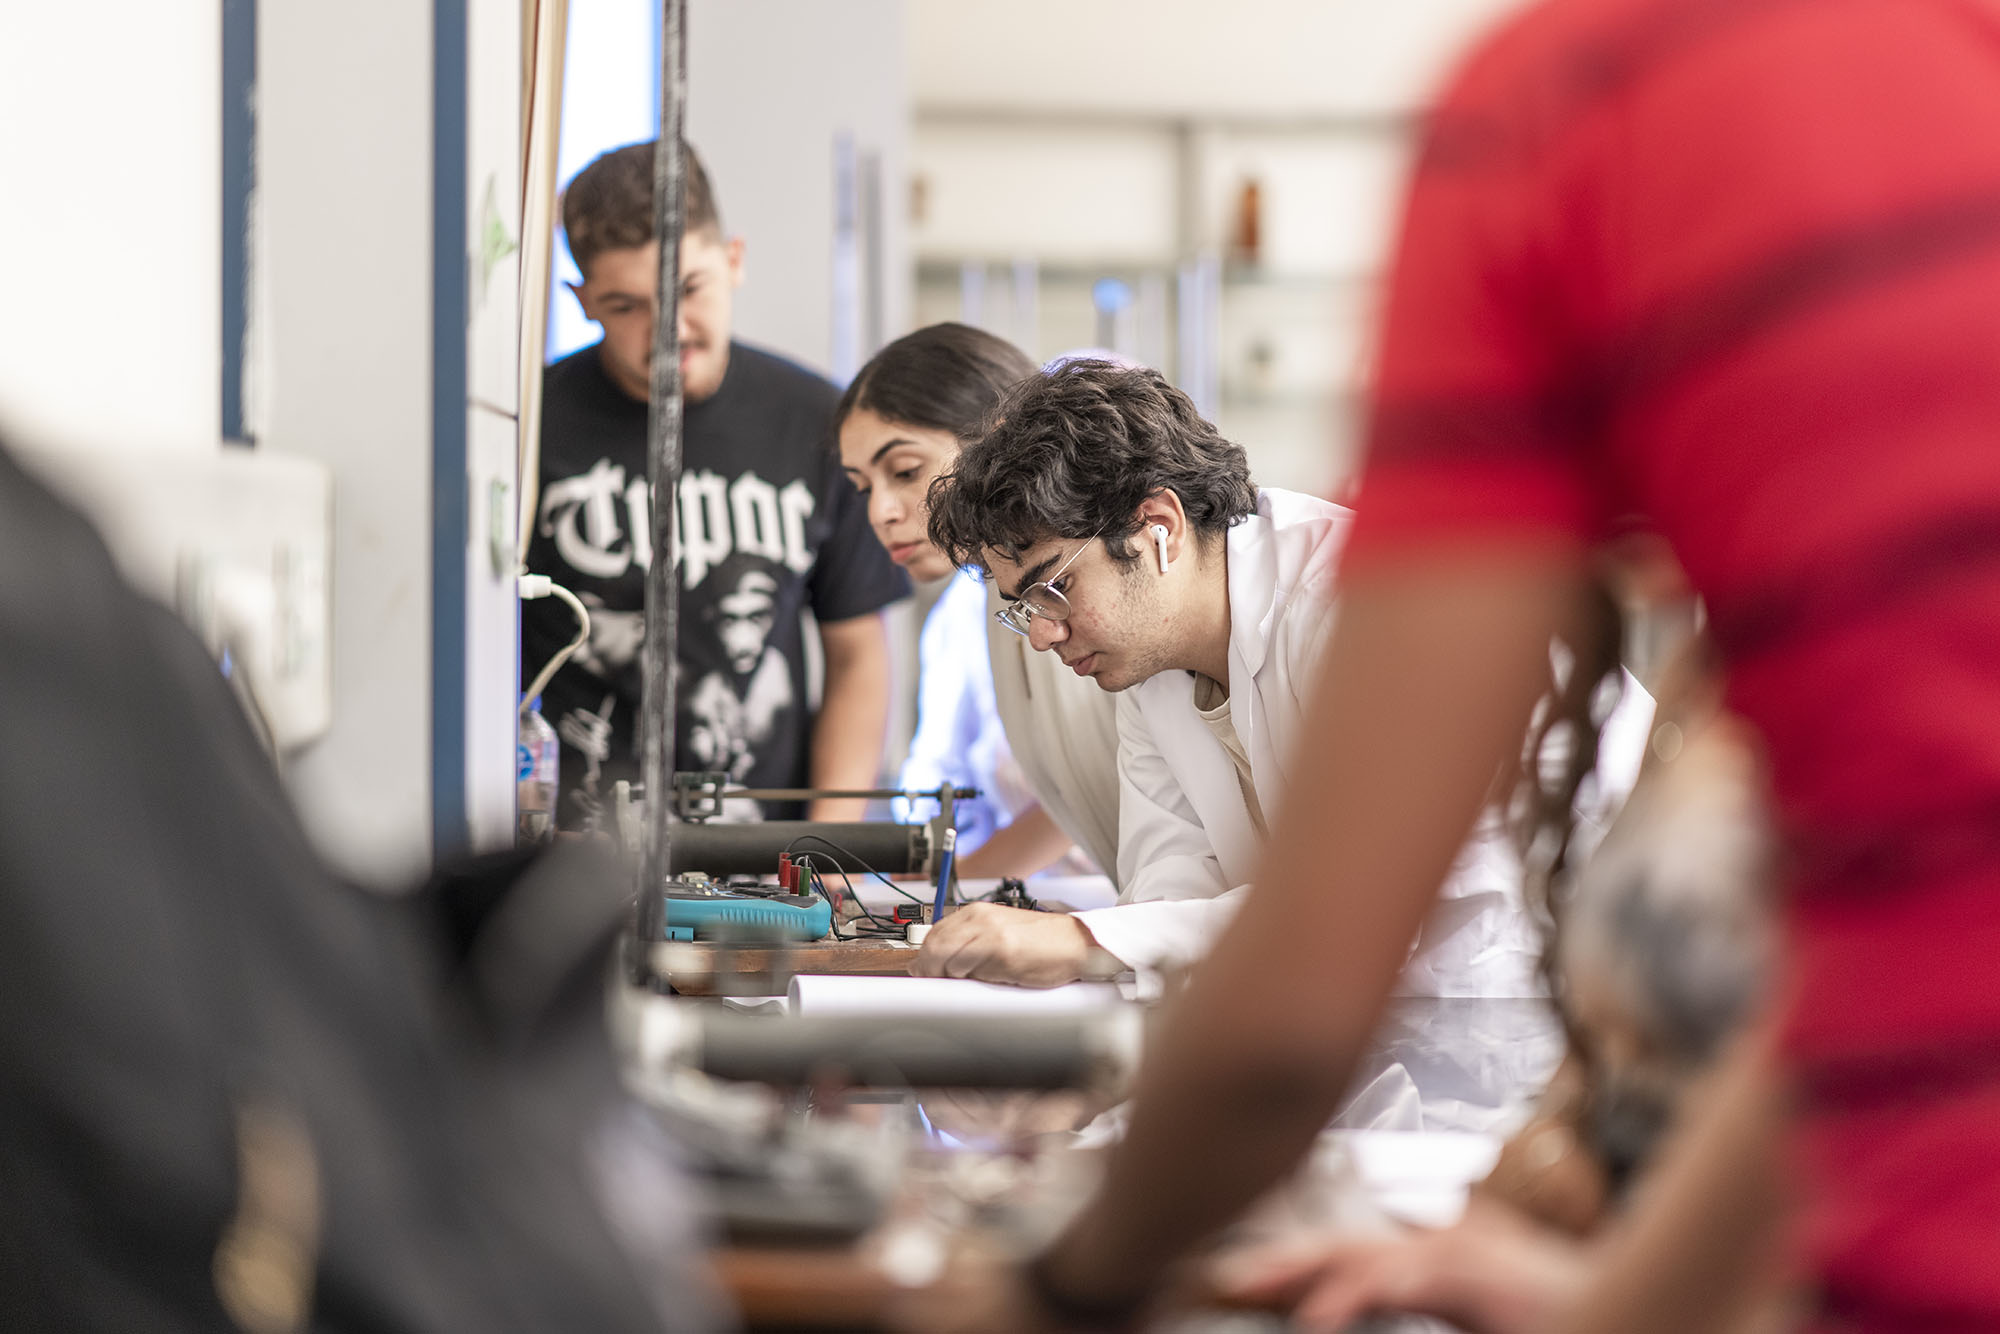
[237, 542]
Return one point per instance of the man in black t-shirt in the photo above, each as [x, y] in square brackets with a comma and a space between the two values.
[768, 527]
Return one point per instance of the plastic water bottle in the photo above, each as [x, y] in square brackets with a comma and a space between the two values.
[538, 754]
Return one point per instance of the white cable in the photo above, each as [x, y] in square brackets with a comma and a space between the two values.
[534, 586]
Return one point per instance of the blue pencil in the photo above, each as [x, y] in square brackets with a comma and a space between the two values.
[944, 874]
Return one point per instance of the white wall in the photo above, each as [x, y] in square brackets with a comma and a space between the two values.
[1285, 58]
[111, 224]
[342, 359]
[113, 334]
[1087, 193]
[770, 82]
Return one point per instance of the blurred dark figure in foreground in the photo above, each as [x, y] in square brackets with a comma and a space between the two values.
[1663, 256]
[236, 1094]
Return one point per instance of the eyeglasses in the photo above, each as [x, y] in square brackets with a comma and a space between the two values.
[1043, 599]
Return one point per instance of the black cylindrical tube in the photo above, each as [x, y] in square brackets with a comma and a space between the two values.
[881, 1051]
[721, 848]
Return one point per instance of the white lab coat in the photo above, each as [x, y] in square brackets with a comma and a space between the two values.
[1064, 734]
[1187, 847]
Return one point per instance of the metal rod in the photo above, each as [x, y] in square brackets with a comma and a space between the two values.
[984, 1051]
[663, 452]
[815, 793]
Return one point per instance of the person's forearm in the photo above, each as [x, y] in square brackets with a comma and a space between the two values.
[1033, 841]
[853, 715]
[1405, 733]
[1701, 1248]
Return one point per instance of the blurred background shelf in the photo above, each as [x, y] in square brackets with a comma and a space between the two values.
[1238, 253]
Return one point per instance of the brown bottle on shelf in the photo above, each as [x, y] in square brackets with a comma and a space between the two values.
[1247, 242]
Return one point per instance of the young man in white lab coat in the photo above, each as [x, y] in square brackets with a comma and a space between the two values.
[1125, 536]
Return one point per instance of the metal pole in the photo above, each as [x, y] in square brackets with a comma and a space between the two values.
[663, 452]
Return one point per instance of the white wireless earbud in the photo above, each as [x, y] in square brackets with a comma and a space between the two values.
[1160, 541]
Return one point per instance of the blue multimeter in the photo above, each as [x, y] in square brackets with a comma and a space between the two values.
[695, 909]
[698, 916]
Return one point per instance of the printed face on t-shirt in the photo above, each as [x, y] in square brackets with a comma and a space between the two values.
[619, 294]
[893, 465]
[743, 618]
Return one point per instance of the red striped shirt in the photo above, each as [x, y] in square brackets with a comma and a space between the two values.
[1735, 265]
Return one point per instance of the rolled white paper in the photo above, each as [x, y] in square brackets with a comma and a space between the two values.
[840, 994]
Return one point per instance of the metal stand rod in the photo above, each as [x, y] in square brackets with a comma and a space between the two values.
[663, 452]
[984, 1051]
[815, 793]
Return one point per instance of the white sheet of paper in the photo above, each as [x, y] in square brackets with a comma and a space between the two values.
[832, 994]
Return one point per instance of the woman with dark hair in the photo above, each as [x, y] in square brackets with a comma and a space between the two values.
[1039, 742]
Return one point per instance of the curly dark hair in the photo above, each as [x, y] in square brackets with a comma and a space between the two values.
[609, 204]
[1073, 452]
[944, 377]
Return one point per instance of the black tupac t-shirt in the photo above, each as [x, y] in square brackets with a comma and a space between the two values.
[768, 525]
